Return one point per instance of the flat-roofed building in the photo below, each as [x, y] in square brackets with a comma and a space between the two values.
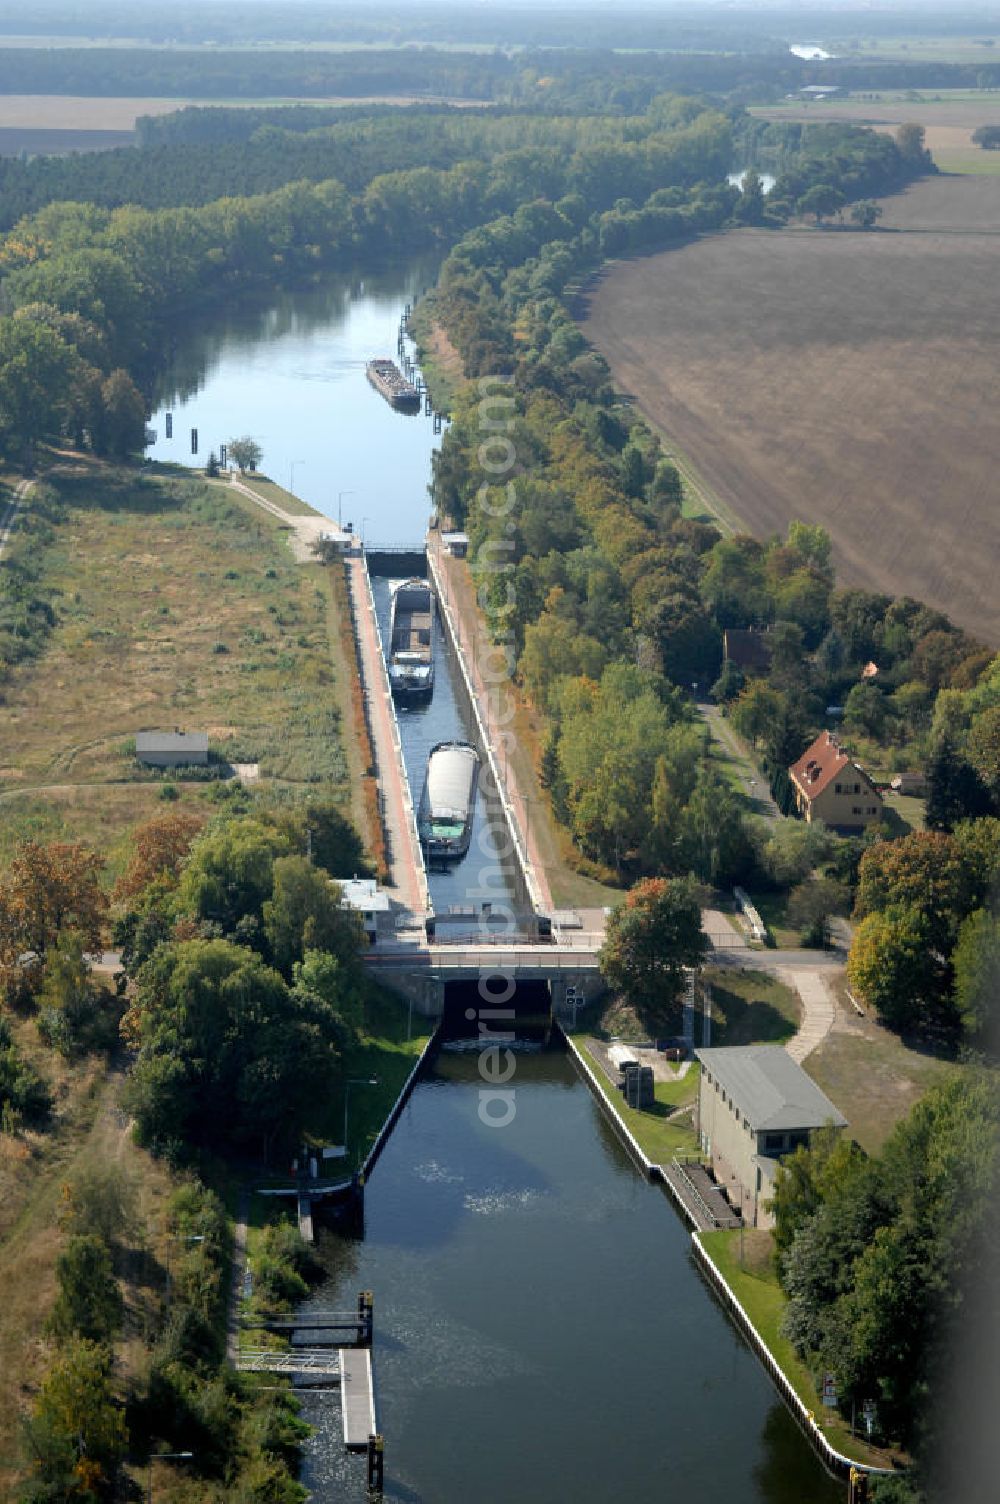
[756, 1104]
[370, 902]
[172, 749]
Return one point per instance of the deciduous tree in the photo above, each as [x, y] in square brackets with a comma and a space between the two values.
[650, 940]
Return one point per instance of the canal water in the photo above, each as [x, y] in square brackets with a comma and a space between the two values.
[541, 1332]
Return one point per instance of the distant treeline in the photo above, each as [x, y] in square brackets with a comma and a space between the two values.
[498, 25]
[539, 79]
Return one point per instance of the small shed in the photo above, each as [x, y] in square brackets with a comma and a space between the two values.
[914, 783]
[172, 749]
[366, 898]
[456, 544]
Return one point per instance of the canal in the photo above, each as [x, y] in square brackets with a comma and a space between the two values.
[541, 1331]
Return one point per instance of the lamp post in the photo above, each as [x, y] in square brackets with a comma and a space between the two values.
[354, 1081]
[340, 514]
[166, 1456]
[291, 476]
[364, 522]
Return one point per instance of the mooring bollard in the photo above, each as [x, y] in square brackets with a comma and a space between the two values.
[366, 1317]
[376, 1466]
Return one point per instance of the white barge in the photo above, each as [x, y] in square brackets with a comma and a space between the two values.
[448, 802]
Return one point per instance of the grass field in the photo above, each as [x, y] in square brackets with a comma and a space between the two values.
[846, 379]
[658, 1136]
[749, 1007]
[872, 1075]
[176, 604]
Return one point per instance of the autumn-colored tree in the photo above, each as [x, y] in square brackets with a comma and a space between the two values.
[894, 968]
[650, 940]
[159, 847]
[924, 872]
[49, 889]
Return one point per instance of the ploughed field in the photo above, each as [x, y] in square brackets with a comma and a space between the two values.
[841, 378]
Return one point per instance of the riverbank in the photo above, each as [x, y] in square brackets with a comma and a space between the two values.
[740, 1265]
[751, 1292]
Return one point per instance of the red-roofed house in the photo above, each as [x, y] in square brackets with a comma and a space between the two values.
[829, 786]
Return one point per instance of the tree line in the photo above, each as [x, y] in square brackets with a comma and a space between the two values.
[612, 601]
[886, 1263]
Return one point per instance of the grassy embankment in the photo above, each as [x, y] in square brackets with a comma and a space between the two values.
[748, 1007]
[176, 603]
[659, 1137]
[754, 1282]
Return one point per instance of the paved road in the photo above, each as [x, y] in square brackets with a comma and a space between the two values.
[404, 852]
[721, 732]
[489, 699]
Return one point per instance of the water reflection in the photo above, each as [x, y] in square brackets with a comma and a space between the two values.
[289, 371]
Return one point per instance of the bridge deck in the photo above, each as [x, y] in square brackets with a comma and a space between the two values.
[357, 1396]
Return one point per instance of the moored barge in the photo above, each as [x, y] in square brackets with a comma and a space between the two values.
[448, 802]
[389, 381]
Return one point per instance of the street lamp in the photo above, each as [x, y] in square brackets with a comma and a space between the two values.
[364, 520]
[355, 1081]
[291, 476]
[155, 1457]
[340, 515]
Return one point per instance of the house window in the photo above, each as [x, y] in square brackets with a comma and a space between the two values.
[857, 788]
[837, 788]
[773, 1143]
[856, 809]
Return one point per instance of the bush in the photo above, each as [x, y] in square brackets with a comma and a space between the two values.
[24, 1096]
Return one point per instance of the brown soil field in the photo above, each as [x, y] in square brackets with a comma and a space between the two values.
[14, 141]
[65, 112]
[968, 110]
[842, 378]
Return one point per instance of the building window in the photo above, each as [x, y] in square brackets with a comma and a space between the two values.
[836, 788]
[773, 1143]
